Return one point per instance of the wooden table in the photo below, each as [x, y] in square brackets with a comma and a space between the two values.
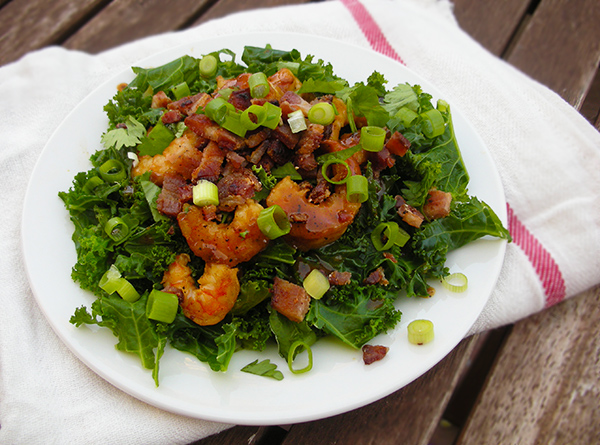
[537, 381]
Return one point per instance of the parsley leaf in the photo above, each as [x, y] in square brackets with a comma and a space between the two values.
[264, 369]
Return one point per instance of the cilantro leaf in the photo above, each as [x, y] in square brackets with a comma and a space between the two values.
[264, 368]
[129, 136]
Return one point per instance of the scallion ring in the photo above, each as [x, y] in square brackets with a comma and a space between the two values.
[329, 162]
[296, 121]
[162, 306]
[259, 113]
[357, 189]
[273, 117]
[126, 290]
[316, 284]
[321, 113]
[208, 66]
[205, 193]
[108, 283]
[116, 229]
[92, 183]
[181, 90]
[372, 138]
[385, 234]
[420, 332]
[259, 85]
[217, 110]
[292, 353]
[455, 282]
[434, 123]
[273, 222]
[113, 170]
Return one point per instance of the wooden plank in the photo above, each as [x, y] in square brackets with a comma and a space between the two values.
[28, 25]
[410, 415]
[492, 23]
[126, 20]
[560, 47]
[546, 389]
[226, 7]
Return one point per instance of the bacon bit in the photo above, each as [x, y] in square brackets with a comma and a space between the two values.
[381, 159]
[408, 213]
[437, 204]
[203, 126]
[398, 144]
[236, 187]
[254, 139]
[190, 104]
[283, 133]
[337, 278]
[174, 193]
[210, 165]
[160, 100]
[171, 116]
[210, 212]
[374, 353]
[291, 102]
[320, 192]
[377, 277]
[240, 99]
[390, 257]
[289, 300]
[278, 153]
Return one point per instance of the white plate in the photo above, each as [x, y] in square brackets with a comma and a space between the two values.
[339, 381]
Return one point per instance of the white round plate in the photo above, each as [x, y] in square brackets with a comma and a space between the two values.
[339, 380]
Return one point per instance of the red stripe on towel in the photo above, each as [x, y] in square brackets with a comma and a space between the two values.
[546, 268]
[371, 29]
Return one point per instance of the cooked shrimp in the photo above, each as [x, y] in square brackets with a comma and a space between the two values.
[313, 225]
[181, 156]
[209, 301]
[229, 244]
[341, 118]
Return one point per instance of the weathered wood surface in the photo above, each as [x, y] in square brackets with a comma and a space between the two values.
[534, 382]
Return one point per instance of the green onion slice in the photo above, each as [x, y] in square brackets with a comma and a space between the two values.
[273, 115]
[292, 353]
[181, 90]
[259, 85]
[116, 229]
[108, 283]
[113, 170]
[273, 222]
[126, 290]
[321, 113]
[162, 306]
[92, 183]
[208, 66]
[455, 282]
[316, 284]
[218, 109]
[357, 189]
[434, 123]
[407, 116]
[259, 113]
[420, 332]
[205, 193]
[329, 162]
[386, 234]
[296, 121]
[372, 138]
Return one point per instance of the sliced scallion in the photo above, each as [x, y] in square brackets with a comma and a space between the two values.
[357, 189]
[181, 90]
[456, 282]
[330, 162]
[420, 332]
[108, 283]
[292, 354]
[433, 123]
[273, 222]
[259, 85]
[112, 170]
[372, 138]
[126, 290]
[296, 121]
[92, 183]
[162, 306]
[273, 115]
[321, 113]
[217, 109]
[386, 234]
[316, 284]
[205, 193]
[116, 229]
[253, 117]
[208, 66]
[407, 116]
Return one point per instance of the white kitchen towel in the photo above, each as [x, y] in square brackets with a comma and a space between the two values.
[547, 155]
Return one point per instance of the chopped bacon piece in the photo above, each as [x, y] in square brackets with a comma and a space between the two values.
[408, 213]
[254, 139]
[390, 257]
[189, 105]
[289, 300]
[373, 353]
[212, 161]
[203, 126]
[283, 133]
[160, 100]
[291, 102]
[311, 139]
[278, 153]
[437, 204]
[171, 116]
[240, 99]
[381, 159]
[239, 83]
[319, 192]
[398, 144]
[236, 187]
[210, 212]
[175, 192]
[377, 277]
[337, 278]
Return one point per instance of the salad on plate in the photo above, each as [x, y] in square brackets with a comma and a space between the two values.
[234, 204]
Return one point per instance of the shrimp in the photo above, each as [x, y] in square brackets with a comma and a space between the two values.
[229, 244]
[313, 225]
[210, 300]
[181, 156]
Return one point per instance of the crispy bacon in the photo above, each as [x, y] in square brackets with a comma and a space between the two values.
[291, 102]
[381, 159]
[398, 144]
[437, 204]
[373, 353]
[377, 277]
[236, 187]
[171, 116]
[212, 161]
[160, 100]
[289, 300]
[189, 105]
[240, 99]
[203, 126]
[175, 192]
[283, 133]
[337, 278]
[408, 213]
